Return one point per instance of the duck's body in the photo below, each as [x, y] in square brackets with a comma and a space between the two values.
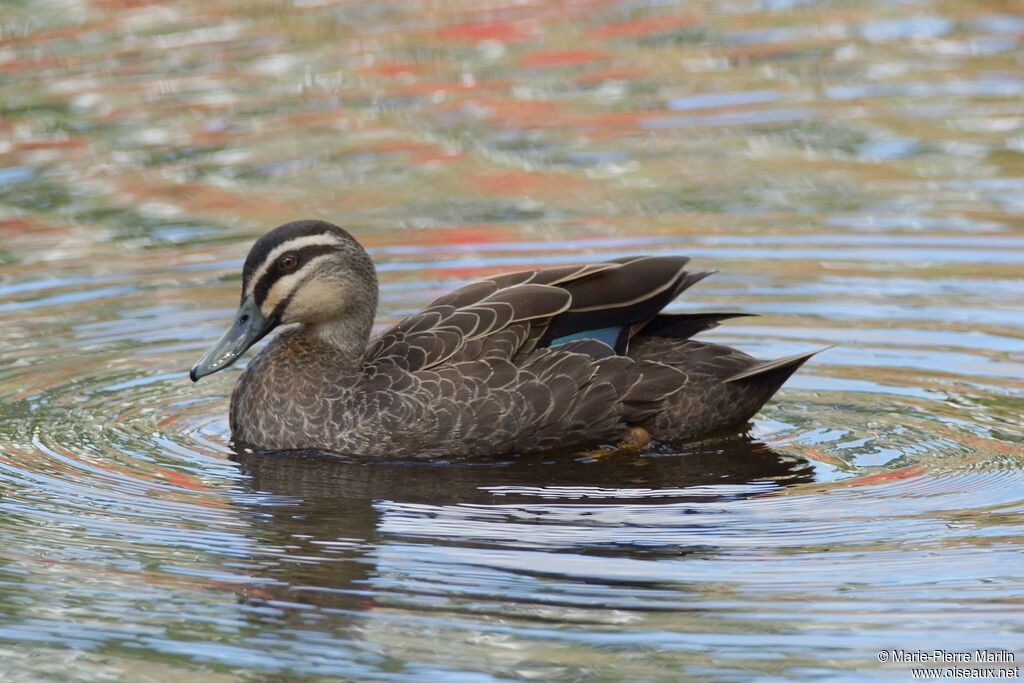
[559, 359]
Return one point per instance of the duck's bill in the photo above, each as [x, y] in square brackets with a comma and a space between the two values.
[248, 328]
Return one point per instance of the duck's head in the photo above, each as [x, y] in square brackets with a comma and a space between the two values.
[309, 272]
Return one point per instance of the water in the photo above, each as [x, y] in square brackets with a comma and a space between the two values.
[854, 170]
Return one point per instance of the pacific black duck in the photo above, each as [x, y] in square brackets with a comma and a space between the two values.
[558, 359]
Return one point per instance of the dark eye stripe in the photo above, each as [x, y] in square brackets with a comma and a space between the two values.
[283, 303]
[302, 256]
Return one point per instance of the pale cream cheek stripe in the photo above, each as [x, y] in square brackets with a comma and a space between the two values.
[284, 286]
[290, 245]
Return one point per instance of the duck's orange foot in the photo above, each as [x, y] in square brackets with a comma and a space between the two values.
[632, 441]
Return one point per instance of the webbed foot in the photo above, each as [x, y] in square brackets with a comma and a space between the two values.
[632, 441]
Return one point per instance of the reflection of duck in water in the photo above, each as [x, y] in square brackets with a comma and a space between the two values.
[340, 516]
[539, 361]
[321, 478]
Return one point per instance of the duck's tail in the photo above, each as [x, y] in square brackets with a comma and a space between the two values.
[774, 372]
[722, 387]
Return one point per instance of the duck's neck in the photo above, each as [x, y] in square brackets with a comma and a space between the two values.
[348, 336]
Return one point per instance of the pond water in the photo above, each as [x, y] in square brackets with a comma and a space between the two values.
[855, 170]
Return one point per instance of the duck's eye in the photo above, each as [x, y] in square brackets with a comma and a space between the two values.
[288, 262]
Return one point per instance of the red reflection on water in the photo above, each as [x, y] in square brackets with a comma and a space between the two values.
[644, 26]
[901, 473]
[394, 68]
[505, 31]
[565, 57]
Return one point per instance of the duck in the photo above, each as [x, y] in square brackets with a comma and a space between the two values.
[561, 359]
